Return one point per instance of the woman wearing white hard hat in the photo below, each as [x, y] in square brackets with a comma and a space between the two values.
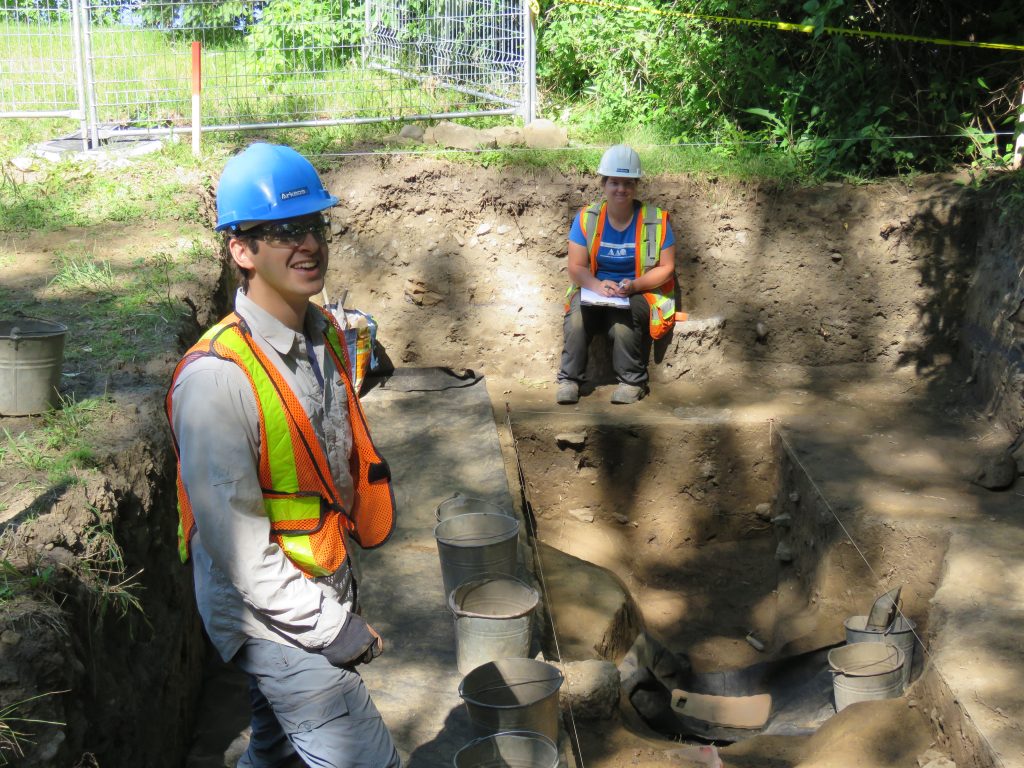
[622, 267]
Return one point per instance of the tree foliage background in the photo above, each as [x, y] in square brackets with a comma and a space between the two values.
[841, 102]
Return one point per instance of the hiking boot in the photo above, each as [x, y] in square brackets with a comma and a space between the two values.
[628, 393]
[568, 393]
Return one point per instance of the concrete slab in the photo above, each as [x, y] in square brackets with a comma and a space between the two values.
[437, 432]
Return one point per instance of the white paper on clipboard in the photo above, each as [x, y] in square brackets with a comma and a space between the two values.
[591, 299]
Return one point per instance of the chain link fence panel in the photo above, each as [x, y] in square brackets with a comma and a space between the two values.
[40, 59]
[276, 63]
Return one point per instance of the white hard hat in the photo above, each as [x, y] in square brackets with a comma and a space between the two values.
[620, 160]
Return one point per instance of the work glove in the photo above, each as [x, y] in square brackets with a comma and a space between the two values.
[357, 643]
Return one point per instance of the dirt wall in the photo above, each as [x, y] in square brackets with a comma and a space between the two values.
[839, 558]
[116, 682]
[467, 268]
[992, 342]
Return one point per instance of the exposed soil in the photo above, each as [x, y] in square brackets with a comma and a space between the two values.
[817, 296]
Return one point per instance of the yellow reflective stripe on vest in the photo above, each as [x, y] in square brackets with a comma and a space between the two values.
[285, 501]
[298, 547]
[653, 236]
[340, 349]
[284, 474]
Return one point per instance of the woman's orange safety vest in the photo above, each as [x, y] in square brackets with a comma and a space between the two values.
[651, 229]
[299, 495]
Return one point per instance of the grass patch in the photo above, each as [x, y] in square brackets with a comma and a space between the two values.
[59, 448]
[15, 582]
[142, 316]
[77, 271]
[159, 186]
[12, 721]
[66, 426]
[17, 136]
[117, 312]
[100, 568]
[23, 449]
[104, 571]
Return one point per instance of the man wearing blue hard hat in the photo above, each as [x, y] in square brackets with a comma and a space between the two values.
[277, 476]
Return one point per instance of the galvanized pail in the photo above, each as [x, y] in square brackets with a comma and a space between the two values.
[866, 672]
[493, 620]
[900, 633]
[512, 749]
[513, 695]
[31, 355]
[476, 544]
[462, 505]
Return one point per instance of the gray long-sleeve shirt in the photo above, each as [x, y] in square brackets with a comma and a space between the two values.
[245, 585]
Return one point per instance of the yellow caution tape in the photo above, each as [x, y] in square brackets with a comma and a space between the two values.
[786, 27]
[535, 9]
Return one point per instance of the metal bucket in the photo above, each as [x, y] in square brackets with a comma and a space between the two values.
[866, 672]
[512, 695]
[900, 633]
[463, 505]
[31, 354]
[476, 544]
[512, 749]
[493, 618]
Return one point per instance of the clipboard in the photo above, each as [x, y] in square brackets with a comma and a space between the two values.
[589, 298]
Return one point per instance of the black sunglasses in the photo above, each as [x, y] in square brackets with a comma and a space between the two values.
[290, 231]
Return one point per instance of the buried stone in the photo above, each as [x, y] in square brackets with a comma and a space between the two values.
[592, 690]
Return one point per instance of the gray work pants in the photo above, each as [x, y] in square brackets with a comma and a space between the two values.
[301, 705]
[627, 331]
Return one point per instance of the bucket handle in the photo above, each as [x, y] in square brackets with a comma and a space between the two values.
[559, 677]
[483, 579]
[476, 537]
[17, 333]
[525, 734]
[437, 509]
[857, 668]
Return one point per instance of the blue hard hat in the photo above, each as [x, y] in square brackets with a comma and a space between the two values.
[269, 182]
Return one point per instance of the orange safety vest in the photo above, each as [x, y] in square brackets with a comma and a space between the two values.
[299, 495]
[651, 230]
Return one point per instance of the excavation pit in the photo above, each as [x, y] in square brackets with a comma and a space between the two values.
[724, 553]
[840, 336]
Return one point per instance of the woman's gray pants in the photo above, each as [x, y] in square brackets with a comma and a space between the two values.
[627, 331]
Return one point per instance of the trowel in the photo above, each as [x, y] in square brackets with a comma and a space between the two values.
[883, 611]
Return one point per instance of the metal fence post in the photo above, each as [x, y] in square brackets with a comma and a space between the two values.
[197, 87]
[92, 116]
[529, 61]
[79, 65]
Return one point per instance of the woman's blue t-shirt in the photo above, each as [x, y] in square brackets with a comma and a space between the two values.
[616, 258]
